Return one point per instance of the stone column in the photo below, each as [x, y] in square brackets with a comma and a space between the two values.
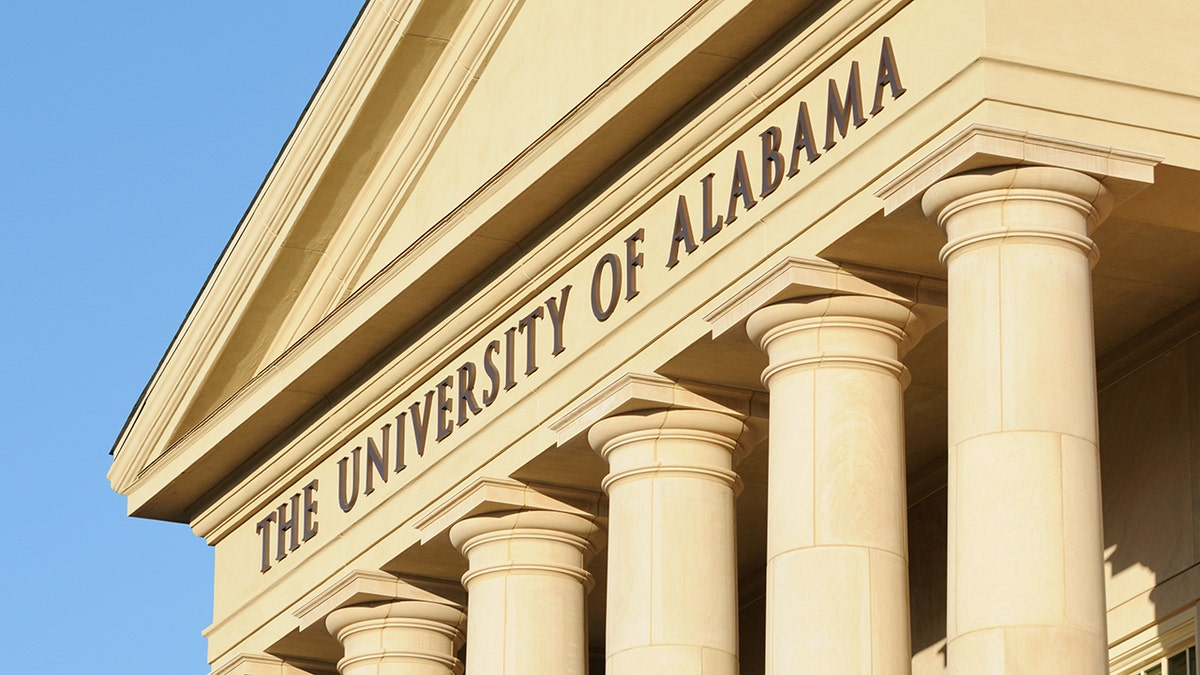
[527, 588]
[1026, 577]
[398, 638]
[837, 554]
[672, 541]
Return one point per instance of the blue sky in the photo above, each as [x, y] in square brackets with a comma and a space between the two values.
[135, 136]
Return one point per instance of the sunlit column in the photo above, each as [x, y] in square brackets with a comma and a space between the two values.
[837, 557]
[672, 541]
[1025, 577]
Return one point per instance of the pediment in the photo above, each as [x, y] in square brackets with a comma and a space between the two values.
[443, 135]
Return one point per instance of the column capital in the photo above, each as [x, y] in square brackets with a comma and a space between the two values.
[1016, 182]
[714, 443]
[378, 618]
[431, 616]
[1018, 203]
[847, 330]
[830, 310]
[577, 531]
[399, 635]
[728, 427]
[372, 587]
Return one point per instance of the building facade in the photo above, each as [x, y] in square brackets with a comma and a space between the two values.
[707, 336]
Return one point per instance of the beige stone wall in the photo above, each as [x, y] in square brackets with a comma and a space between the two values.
[1100, 42]
[1148, 444]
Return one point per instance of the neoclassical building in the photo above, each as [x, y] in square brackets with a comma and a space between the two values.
[707, 336]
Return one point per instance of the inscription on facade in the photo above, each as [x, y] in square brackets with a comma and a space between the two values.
[529, 340]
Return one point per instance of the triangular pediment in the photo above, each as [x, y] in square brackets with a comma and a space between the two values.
[444, 133]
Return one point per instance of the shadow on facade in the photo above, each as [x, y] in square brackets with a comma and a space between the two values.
[1150, 461]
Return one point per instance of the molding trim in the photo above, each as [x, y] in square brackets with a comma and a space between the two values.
[796, 278]
[634, 391]
[359, 587]
[492, 495]
[978, 146]
[255, 664]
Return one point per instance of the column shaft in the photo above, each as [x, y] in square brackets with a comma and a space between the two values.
[837, 558]
[527, 590]
[1025, 569]
[672, 542]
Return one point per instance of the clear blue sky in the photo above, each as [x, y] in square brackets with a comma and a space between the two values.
[135, 135]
